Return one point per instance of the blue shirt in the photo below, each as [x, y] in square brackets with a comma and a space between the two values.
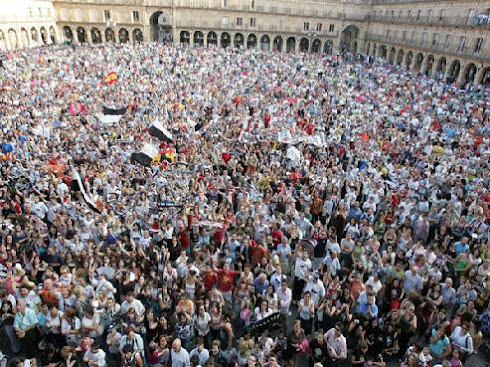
[440, 345]
[23, 322]
[460, 248]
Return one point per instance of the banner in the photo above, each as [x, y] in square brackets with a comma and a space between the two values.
[146, 155]
[158, 131]
[114, 111]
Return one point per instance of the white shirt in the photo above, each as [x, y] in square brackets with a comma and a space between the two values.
[285, 298]
[98, 358]
[302, 267]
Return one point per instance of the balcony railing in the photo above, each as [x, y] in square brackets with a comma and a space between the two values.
[450, 49]
[481, 21]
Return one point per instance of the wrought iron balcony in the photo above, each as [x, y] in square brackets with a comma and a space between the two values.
[480, 21]
[441, 48]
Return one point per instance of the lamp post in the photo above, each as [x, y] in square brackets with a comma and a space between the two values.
[111, 24]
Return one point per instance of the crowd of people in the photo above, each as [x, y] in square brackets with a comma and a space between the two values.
[308, 210]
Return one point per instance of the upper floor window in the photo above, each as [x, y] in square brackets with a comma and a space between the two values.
[107, 14]
[40, 12]
[306, 26]
[136, 16]
[404, 35]
[252, 22]
[252, 4]
[223, 3]
[418, 14]
[224, 21]
[448, 40]
[331, 27]
[429, 13]
[319, 27]
[478, 45]
[441, 14]
[462, 43]
[239, 21]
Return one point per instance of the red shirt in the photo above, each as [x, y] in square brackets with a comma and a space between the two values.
[225, 280]
[210, 280]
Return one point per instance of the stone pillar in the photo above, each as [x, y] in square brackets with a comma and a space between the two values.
[296, 45]
[205, 39]
[191, 39]
[479, 75]
[461, 75]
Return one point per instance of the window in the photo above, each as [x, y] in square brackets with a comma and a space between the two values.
[418, 14]
[239, 21]
[30, 13]
[223, 3]
[429, 13]
[462, 43]
[388, 34]
[40, 11]
[252, 22]
[331, 27]
[441, 15]
[48, 12]
[224, 22]
[306, 26]
[414, 37]
[136, 16]
[409, 13]
[478, 45]
[319, 27]
[252, 4]
[400, 13]
[435, 40]
[424, 39]
[448, 41]
[392, 13]
[404, 36]
[107, 14]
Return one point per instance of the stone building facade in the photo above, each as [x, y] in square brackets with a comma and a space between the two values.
[441, 38]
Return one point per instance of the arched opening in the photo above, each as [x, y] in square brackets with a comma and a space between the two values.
[418, 62]
[212, 39]
[391, 57]
[469, 74]
[161, 27]
[485, 77]
[185, 37]
[110, 36]
[328, 47]
[304, 45]
[44, 35]
[238, 40]
[429, 65]
[24, 36]
[13, 39]
[81, 35]
[440, 68]
[123, 35]
[252, 41]
[52, 35]
[348, 39]
[409, 59]
[198, 38]
[3, 41]
[225, 39]
[375, 48]
[382, 52]
[368, 49]
[277, 44]
[316, 46]
[96, 35]
[265, 43]
[454, 71]
[137, 35]
[399, 58]
[67, 33]
[291, 44]
[35, 35]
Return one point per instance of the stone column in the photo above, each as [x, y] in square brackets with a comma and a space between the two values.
[461, 75]
[448, 68]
